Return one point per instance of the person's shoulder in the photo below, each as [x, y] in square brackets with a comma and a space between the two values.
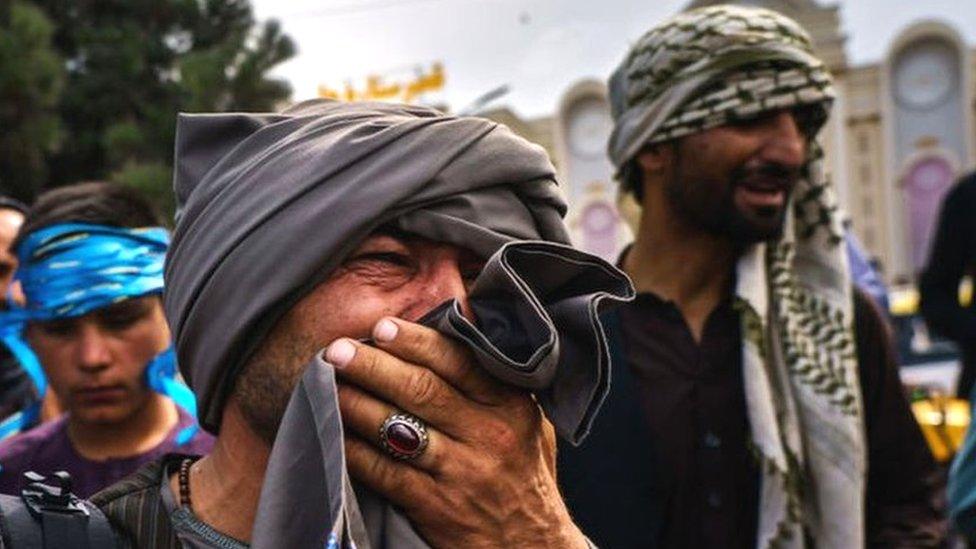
[866, 308]
[135, 508]
[22, 448]
[968, 179]
[138, 485]
[871, 327]
[964, 190]
[874, 344]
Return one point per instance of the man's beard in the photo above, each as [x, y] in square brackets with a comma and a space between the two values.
[711, 205]
[267, 381]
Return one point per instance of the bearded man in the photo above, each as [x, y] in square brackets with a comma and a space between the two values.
[756, 400]
[427, 252]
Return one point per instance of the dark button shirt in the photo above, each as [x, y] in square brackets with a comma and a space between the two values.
[693, 396]
[667, 461]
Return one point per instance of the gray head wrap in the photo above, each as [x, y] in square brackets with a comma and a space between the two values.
[271, 204]
[325, 175]
[710, 67]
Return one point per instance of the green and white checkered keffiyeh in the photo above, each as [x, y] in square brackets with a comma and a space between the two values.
[706, 68]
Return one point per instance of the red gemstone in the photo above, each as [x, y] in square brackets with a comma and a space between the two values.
[402, 438]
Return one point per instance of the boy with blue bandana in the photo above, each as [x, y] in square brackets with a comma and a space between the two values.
[92, 327]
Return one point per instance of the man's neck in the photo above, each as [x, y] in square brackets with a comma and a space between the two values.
[226, 484]
[142, 431]
[682, 264]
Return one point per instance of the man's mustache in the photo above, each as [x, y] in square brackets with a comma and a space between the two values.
[770, 175]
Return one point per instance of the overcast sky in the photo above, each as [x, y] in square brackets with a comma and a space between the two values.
[537, 47]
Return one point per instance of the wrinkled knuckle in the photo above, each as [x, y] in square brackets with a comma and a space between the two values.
[395, 482]
[379, 468]
[407, 338]
[419, 338]
[370, 360]
[360, 460]
[424, 389]
[373, 464]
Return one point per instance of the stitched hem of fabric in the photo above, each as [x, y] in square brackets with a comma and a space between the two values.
[183, 518]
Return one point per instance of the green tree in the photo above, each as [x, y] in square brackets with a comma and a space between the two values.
[132, 65]
[30, 82]
[230, 75]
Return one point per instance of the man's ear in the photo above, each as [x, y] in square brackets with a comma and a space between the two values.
[655, 158]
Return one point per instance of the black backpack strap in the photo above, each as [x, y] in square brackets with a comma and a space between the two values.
[100, 533]
[18, 527]
[51, 517]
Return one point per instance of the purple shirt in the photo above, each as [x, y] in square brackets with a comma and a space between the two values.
[47, 448]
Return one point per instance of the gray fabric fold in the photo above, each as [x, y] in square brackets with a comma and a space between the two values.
[537, 326]
[537, 307]
[305, 500]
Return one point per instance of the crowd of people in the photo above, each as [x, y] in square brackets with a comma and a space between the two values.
[369, 328]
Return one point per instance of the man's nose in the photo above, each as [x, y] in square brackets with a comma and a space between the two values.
[445, 281]
[785, 144]
[93, 347]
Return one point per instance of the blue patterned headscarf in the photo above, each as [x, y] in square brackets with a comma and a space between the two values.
[71, 269]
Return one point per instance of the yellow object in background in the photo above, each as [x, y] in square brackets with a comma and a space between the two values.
[378, 89]
[944, 422]
[904, 300]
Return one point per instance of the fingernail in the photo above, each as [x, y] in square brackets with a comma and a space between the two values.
[340, 353]
[385, 330]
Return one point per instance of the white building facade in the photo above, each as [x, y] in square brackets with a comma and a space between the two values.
[901, 134]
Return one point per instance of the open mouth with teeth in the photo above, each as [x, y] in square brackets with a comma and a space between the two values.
[762, 193]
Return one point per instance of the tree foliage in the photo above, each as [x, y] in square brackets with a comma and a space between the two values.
[131, 65]
[30, 83]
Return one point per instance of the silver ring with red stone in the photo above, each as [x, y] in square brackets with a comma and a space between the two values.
[403, 436]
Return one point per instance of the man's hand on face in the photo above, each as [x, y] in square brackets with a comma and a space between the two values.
[487, 477]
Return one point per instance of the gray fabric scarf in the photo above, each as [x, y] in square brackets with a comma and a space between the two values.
[273, 203]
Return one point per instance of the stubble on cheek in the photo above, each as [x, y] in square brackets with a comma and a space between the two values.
[268, 380]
